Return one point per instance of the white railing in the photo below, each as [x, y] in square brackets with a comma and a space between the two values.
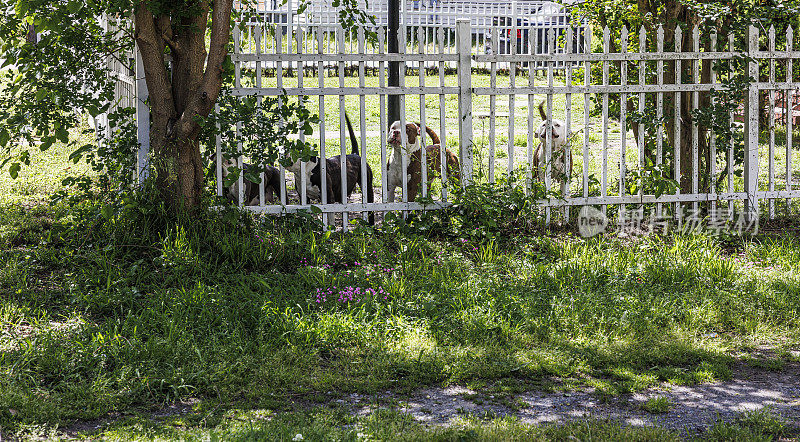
[489, 120]
[130, 91]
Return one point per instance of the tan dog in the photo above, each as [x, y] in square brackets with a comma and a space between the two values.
[560, 154]
[413, 153]
[434, 160]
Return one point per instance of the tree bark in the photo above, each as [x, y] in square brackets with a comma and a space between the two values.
[190, 91]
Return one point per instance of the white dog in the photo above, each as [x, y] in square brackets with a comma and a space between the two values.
[560, 155]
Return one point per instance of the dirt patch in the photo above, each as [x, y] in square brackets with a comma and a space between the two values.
[687, 409]
[683, 408]
[79, 429]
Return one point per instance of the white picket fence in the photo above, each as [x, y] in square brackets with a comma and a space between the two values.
[316, 59]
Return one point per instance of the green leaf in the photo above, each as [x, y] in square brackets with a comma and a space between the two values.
[25, 157]
[107, 211]
[47, 142]
[40, 95]
[78, 153]
[21, 8]
[74, 7]
[4, 137]
[316, 209]
[14, 169]
[62, 134]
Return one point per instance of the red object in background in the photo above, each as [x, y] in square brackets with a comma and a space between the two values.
[793, 103]
[519, 33]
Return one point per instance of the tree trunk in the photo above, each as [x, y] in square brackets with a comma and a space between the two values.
[178, 97]
[674, 14]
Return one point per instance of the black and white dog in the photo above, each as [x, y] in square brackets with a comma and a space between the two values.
[333, 175]
[272, 183]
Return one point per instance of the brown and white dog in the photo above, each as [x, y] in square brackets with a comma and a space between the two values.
[560, 154]
[413, 153]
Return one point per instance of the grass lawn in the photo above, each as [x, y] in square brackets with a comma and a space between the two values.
[258, 330]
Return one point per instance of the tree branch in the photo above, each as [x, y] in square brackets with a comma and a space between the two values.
[165, 30]
[151, 47]
[174, 46]
[218, 49]
[203, 98]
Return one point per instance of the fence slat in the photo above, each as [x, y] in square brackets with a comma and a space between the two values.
[300, 70]
[695, 127]
[568, 117]
[660, 107]
[261, 183]
[323, 170]
[531, 137]
[340, 38]
[492, 104]
[422, 123]
[604, 170]
[712, 162]
[642, 82]
[382, 111]
[587, 79]
[789, 112]
[548, 177]
[771, 117]
[623, 114]
[512, 74]
[676, 121]
[731, 205]
[401, 38]
[751, 132]
[142, 122]
[464, 36]
[279, 82]
[237, 82]
[362, 113]
[442, 118]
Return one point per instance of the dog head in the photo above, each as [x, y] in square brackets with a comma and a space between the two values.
[559, 129]
[395, 137]
[310, 165]
[558, 132]
[228, 164]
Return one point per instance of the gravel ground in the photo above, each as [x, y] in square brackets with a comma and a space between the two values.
[692, 408]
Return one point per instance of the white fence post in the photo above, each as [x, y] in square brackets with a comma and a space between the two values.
[751, 131]
[464, 47]
[142, 120]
